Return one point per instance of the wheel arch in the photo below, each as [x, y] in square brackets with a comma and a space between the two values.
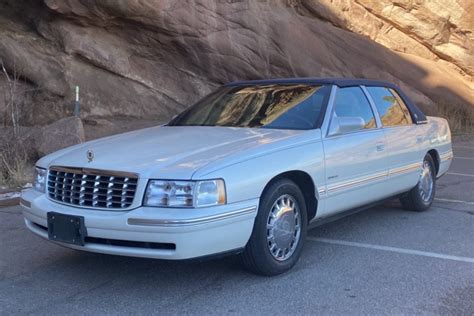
[435, 155]
[304, 181]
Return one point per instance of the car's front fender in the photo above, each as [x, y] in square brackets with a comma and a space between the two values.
[247, 179]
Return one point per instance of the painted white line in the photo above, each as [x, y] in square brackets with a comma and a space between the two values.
[460, 174]
[453, 201]
[392, 249]
[466, 158]
[461, 146]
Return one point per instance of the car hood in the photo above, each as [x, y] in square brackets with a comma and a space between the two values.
[175, 152]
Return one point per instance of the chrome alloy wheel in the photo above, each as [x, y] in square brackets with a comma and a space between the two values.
[283, 227]
[426, 182]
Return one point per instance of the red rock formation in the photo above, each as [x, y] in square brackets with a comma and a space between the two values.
[150, 59]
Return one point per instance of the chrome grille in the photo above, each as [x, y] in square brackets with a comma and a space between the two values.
[91, 187]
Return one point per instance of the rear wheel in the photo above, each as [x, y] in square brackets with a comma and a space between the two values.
[422, 195]
[279, 230]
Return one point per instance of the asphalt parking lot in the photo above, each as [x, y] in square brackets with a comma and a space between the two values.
[380, 261]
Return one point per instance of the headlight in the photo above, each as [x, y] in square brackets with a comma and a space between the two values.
[40, 179]
[169, 193]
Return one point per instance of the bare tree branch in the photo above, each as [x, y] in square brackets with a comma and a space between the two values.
[12, 84]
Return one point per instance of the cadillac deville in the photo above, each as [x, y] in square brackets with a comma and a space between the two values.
[246, 170]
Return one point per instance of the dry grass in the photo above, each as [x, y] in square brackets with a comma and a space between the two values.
[15, 169]
[459, 116]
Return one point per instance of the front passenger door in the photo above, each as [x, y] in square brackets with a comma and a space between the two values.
[355, 160]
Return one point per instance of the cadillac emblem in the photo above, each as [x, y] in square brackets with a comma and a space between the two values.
[90, 155]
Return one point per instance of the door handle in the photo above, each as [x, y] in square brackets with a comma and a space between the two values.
[380, 146]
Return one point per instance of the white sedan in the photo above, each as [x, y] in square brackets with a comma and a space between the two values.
[247, 169]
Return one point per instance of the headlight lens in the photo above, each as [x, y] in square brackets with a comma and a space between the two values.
[169, 193]
[210, 192]
[40, 179]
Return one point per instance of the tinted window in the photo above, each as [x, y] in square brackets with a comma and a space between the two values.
[279, 106]
[389, 107]
[352, 102]
[402, 105]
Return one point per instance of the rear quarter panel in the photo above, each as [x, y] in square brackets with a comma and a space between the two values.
[437, 136]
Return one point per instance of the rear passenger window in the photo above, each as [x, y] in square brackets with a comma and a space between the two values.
[391, 108]
[351, 101]
[402, 105]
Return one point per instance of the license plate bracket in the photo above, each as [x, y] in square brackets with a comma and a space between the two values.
[65, 228]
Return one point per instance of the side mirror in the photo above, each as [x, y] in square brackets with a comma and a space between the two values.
[345, 124]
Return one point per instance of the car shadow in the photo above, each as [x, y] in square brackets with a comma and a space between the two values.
[96, 265]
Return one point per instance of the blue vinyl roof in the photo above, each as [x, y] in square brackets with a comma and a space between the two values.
[340, 82]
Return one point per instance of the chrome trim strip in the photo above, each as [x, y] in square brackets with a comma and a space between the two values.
[374, 177]
[95, 172]
[446, 156]
[355, 182]
[190, 221]
[421, 122]
[25, 203]
[405, 169]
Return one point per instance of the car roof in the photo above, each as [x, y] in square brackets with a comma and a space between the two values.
[340, 82]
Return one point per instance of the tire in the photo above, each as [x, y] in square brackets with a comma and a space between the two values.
[286, 242]
[421, 197]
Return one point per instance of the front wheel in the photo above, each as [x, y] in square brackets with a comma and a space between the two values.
[279, 230]
[421, 197]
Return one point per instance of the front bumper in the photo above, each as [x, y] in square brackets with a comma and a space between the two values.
[184, 233]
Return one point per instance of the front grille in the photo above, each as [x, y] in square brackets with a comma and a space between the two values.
[91, 187]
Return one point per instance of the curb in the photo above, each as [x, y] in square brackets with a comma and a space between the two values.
[9, 198]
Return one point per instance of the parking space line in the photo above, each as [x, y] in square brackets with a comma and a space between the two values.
[453, 201]
[460, 174]
[466, 158]
[461, 146]
[392, 249]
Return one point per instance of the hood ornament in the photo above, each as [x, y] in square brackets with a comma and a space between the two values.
[90, 155]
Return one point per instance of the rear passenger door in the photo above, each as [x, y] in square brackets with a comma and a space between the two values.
[355, 161]
[403, 144]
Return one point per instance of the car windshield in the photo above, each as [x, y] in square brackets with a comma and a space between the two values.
[296, 106]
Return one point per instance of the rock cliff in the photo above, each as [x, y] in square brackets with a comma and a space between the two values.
[150, 59]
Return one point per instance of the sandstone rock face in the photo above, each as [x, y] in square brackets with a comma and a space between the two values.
[432, 29]
[39, 141]
[61, 134]
[150, 59]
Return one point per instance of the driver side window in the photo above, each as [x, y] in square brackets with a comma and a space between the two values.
[351, 102]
